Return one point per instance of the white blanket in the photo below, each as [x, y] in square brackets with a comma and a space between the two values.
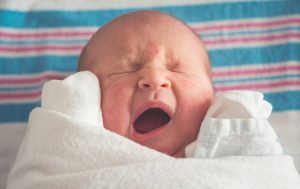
[64, 149]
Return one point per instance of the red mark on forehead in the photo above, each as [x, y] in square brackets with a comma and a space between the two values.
[152, 50]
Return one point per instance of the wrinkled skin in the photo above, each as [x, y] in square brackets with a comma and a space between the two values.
[148, 58]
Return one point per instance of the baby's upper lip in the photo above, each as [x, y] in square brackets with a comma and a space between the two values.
[153, 104]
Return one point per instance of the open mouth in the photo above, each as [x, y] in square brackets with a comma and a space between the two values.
[151, 119]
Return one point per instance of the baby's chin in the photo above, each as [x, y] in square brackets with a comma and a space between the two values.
[159, 144]
[172, 151]
[180, 153]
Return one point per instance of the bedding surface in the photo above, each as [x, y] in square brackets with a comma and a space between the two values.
[253, 45]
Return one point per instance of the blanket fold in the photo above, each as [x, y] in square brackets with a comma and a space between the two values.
[66, 146]
[59, 151]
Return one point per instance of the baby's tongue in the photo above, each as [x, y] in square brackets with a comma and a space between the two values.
[151, 119]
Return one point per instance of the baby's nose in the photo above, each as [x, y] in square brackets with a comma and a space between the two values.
[154, 79]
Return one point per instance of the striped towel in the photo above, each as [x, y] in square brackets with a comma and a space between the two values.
[253, 45]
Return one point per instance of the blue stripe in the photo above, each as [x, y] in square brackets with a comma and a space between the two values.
[190, 13]
[16, 88]
[219, 58]
[257, 78]
[281, 101]
[24, 65]
[255, 55]
[16, 112]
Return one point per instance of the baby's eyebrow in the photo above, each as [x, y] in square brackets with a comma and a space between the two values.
[173, 64]
[136, 65]
[127, 66]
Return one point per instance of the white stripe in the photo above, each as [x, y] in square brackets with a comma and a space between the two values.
[101, 4]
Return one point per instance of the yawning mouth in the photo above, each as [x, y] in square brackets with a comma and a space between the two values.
[151, 119]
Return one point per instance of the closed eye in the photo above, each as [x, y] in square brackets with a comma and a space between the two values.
[120, 71]
[175, 67]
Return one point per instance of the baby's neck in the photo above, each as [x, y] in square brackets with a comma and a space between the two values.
[180, 154]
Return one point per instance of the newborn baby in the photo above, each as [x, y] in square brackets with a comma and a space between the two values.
[156, 89]
[155, 79]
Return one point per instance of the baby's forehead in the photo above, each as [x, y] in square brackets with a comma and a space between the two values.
[151, 39]
[146, 23]
[132, 33]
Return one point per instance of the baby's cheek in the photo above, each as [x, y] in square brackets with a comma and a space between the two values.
[115, 119]
[195, 99]
[115, 110]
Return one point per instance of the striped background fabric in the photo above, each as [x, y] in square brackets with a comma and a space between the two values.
[253, 45]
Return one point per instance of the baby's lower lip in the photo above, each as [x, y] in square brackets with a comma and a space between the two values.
[141, 138]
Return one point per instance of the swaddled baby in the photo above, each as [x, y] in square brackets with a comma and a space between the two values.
[155, 79]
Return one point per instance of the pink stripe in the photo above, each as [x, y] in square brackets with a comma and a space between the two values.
[252, 71]
[251, 39]
[48, 34]
[31, 80]
[15, 95]
[24, 49]
[246, 24]
[40, 48]
[253, 86]
[257, 86]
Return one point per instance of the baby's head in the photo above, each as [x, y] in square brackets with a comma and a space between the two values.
[154, 74]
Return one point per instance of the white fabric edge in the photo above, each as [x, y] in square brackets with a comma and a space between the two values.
[101, 4]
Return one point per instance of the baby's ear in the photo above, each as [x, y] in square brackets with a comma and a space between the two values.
[77, 96]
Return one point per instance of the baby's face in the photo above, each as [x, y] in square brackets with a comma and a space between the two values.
[155, 87]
